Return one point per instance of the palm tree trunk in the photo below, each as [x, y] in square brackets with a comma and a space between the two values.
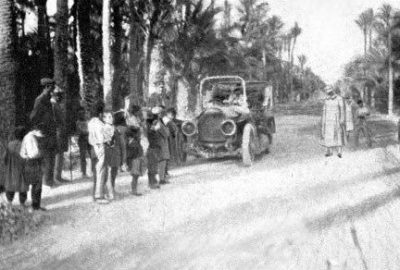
[89, 91]
[107, 84]
[61, 46]
[116, 57]
[7, 71]
[45, 61]
[390, 99]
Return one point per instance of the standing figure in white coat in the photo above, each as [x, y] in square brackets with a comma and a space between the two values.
[333, 123]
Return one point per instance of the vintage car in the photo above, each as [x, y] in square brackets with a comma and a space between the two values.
[235, 119]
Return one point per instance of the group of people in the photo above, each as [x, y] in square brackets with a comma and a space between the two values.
[135, 140]
[47, 119]
[342, 118]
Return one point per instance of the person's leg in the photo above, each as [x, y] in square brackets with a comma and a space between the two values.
[82, 156]
[58, 166]
[339, 151]
[101, 172]
[134, 185]
[47, 168]
[36, 196]
[108, 184]
[10, 196]
[328, 152]
[161, 172]
[152, 168]
[93, 162]
[114, 173]
[357, 135]
[368, 135]
[22, 198]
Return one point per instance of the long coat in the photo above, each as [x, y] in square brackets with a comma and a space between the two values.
[15, 167]
[333, 120]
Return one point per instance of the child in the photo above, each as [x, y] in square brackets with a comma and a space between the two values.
[15, 180]
[361, 125]
[164, 153]
[153, 151]
[115, 154]
[97, 139]
[135, 157]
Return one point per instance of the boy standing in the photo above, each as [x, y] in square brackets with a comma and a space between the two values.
[97, 139]
[361, 125]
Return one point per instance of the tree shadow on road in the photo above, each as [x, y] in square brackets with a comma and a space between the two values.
[349, 213]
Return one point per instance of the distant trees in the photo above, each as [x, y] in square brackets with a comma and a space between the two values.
[374, 71]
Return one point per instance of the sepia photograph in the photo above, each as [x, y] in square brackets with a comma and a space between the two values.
[199, 135]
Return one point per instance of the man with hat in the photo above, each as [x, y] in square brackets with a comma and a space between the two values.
[333, 121]
[46, 119]
[62, 139]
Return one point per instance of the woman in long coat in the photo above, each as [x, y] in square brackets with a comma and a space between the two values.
[333, 123]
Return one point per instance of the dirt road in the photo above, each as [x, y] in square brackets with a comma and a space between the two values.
[294, 209]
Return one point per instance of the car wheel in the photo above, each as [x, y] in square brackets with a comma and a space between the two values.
[248, 146]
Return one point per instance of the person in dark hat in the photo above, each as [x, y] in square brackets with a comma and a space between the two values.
[45, 118]
[61, 131]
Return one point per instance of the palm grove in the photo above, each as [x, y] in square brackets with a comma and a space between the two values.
[373, 72]
[103, 49]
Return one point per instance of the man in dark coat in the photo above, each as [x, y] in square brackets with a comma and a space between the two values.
[61, 132]
[44, 117]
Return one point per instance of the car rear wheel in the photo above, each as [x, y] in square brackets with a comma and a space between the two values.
[248, 145]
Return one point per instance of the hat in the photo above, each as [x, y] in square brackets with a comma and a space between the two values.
[133, 109]
[329, 89]
[47, 81]
[156, 110]
[58, 90]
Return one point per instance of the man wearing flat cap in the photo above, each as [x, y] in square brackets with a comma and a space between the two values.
[47, 118]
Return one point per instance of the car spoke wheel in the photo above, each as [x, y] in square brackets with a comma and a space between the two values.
[248, 145]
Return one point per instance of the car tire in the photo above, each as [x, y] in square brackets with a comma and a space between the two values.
[248, 151]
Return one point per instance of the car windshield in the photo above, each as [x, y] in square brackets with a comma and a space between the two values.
[222, 94]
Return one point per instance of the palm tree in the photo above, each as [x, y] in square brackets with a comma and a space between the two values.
[61, 46]
[88, 90]
[107, 84]
[295, 32]
[386, 16]
[45, 61]
[363, 22]
[7, 70]
[302, 61]
[117, 51]
[371, 20]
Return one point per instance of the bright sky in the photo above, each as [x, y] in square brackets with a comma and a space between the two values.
[329, 38]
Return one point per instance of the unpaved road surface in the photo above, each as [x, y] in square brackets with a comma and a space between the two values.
[294, 209]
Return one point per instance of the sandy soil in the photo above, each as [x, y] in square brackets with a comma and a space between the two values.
[294, 209]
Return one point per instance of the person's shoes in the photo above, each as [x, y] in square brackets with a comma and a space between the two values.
[135, 193]
[164, 182]
[339, 155]
[39, 208]
[102, 201]
[328, 154]
[62, 180]
[154, 186]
